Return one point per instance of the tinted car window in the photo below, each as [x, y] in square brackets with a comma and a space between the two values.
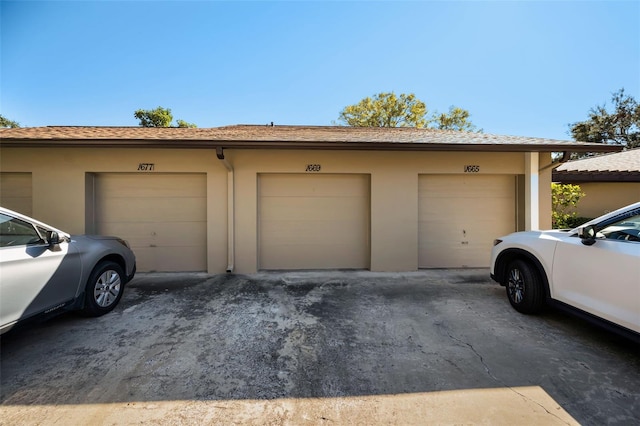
[627, 229]
[16, 232]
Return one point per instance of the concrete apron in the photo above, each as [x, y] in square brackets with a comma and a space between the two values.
[430, 347]
[514, 406]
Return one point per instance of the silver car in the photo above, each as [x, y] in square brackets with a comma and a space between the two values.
[45, 271]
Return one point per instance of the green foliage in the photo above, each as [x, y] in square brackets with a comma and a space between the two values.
[159, 117]
[386, 110]
[182, 123]
[5, 122]
[574, 222]
[621, 126]
[564, 199]
[389, 110]
[456, 119]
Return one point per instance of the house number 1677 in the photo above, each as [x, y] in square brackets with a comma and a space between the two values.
[147, 167]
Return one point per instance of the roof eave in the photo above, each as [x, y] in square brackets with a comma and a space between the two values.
[595, 176]
[313, 145]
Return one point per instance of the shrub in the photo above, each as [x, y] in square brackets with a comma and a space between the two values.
[574, 222]
[564, 199]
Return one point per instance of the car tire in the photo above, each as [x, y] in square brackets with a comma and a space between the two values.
[104, 289]
[524, 287]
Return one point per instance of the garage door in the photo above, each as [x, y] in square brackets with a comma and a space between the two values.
[163, 216]
[15, 192]
[313, 221]
[461, 215]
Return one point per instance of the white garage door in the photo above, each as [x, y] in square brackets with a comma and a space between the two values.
[163, 216]
[15, 192]
[461, 215]
[313, 221]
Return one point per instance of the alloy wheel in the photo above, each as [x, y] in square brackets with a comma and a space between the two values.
[515, 286]
[107, 288]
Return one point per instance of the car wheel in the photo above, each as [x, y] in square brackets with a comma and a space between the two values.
[524, 287]
[104, 289]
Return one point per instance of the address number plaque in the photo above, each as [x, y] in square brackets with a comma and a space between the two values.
[146, 167]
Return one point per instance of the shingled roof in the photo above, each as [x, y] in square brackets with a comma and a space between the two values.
[619, 167]
[287, 137]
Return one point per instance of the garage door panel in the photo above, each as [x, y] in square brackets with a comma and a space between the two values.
[295, 185]
[457, 186]
[313, 256]
[162, 216]
[460, 216]
[312, 208]
[280, 232]
[158, 210]
[152, 186]
[190, 258]
[166, 259]
[313, 221]
[143, 234]
[459, 210]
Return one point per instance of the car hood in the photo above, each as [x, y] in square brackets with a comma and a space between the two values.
[95, 237]
[87, 239]
[548, 234]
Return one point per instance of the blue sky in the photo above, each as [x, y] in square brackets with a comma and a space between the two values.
[520, 67]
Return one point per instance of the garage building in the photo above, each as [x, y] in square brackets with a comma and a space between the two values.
[247, 198]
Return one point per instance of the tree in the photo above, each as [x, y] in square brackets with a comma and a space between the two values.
[457, 119]
[386, 110]
[389, 110]
[621, 126]
[182, 123]
[5, 122]
[564, 199]
[159, 117]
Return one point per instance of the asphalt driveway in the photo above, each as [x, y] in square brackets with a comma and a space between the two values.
[430, 347]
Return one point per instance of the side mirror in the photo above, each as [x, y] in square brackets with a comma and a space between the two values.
[588, 235]
[54, 239]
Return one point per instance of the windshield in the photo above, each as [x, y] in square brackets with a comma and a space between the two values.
[605, 220]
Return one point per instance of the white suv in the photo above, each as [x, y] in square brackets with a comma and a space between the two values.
[593, 270]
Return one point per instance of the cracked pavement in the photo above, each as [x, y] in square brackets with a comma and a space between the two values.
[337, 347]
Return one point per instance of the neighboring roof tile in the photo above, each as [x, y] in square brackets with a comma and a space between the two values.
[619, 167]
[260, 136]
[625, 161]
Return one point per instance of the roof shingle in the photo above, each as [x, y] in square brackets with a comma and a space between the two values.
[309, 137]
[619, 167]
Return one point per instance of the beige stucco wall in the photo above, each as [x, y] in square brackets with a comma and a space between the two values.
[603, 197]
[58, 177]
[394, 190]
[545, 190]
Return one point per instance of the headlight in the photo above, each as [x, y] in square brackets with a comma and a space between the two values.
[496, 242]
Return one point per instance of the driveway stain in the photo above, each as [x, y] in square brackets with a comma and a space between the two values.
[313, 336]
